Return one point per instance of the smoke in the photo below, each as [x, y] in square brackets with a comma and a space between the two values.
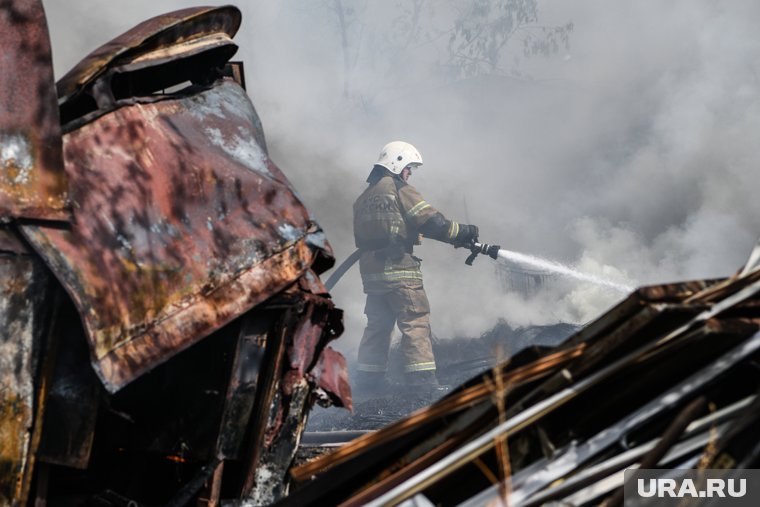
[630, 155]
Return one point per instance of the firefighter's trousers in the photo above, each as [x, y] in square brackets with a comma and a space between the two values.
[408, 307]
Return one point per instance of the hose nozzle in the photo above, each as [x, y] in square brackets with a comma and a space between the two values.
[482, 248]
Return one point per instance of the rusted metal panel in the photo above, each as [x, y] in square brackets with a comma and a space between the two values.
[307, 337]
[331, 375]
[309, 354]
[154, 34]
[162, 54]
[23, 315]
[182, 223]
[32, 179]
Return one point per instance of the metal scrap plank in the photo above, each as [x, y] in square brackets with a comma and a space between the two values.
[247, 365]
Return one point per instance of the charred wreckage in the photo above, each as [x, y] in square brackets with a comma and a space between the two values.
[165, 330]
[164, 327]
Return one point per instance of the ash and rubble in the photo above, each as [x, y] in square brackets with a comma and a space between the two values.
[458, 360]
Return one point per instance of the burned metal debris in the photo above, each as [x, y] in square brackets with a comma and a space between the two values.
[32, 180]
[165, 330]
[181, 47]
[166, 344]
[667, 378]
[24, 310]
[182, 224]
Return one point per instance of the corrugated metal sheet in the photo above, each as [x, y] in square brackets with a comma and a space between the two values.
[32, 180]
[182, 223]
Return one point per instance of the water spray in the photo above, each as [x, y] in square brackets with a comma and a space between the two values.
[497, 253]
[524, 260]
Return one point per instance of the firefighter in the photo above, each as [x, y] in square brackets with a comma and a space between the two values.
[390, 217]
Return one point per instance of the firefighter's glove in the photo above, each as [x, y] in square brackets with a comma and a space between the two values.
[467, 235]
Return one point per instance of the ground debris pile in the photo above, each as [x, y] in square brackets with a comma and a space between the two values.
[369, 414]
[668, 378]
[458, 360]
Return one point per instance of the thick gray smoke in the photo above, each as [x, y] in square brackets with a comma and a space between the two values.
[631, 154]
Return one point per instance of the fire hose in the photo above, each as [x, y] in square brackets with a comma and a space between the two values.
[341, 270]
[475, 248]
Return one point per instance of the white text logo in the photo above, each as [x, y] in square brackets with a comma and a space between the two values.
[712, 488]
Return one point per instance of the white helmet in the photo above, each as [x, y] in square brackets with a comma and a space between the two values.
[397, 154]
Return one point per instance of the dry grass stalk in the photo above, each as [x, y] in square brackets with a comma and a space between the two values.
[499, 390]
[711, 449]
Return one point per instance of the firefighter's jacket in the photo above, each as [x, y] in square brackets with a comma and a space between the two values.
[389, 217]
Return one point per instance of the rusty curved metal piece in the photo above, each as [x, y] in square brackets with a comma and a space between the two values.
[32, 180]
[169, 29]
[181, 224]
